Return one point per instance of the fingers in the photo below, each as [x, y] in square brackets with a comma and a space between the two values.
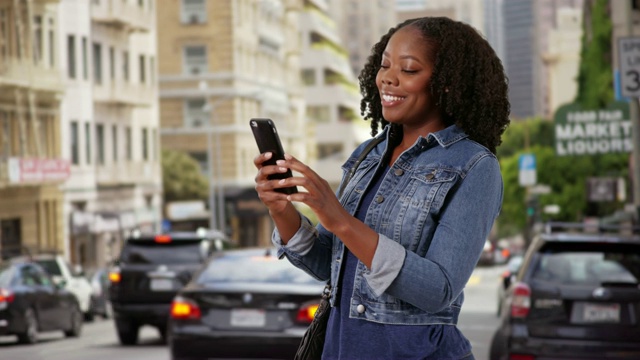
[261, 158]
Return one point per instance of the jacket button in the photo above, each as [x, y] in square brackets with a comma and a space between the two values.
[379, 199]
[429, 176]
[399, 172]
[360, 309]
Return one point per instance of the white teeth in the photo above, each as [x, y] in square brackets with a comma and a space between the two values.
[391, 98]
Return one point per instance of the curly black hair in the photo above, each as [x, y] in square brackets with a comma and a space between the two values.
[468, 82]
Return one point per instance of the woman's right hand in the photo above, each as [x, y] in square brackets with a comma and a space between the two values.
[276, 202]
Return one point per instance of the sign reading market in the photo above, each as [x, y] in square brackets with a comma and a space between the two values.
[588, 132]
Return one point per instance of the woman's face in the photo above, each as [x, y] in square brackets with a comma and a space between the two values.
[403, 81]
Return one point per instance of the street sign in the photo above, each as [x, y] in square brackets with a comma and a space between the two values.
[527, 165]
[629, 63]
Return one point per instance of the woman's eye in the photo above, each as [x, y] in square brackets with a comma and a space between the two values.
[384, 66]
[409, 71]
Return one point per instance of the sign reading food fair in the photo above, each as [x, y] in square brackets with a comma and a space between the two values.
[581, 131]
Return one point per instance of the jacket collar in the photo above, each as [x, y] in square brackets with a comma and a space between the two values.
[445, 137]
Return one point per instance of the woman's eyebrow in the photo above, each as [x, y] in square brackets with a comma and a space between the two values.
[402, 57]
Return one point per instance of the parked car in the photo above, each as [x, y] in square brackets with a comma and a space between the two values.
[243, 302]
[63, 274]
[100, 304]
[576, 296]
[487, 257]
[149, 272]
[30, 303]
[507, 278]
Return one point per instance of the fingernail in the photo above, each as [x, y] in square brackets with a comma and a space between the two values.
[280, 162]
[268, 155]
[281, 181]
[282, 168]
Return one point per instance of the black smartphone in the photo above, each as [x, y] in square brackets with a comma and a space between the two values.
[268, 140]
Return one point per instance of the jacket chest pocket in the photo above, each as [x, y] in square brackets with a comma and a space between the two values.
[422, 202]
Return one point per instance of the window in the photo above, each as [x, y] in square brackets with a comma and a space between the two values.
[112, 63]
[195, 60]
[75, 148]
[97, 63]
[4, 36]
[38, 39]
[52, 44]
[129, 143]
[142, 70]
[145, 144]
[154, 144]
[71, 56]
[195, 116]
[87, 141]
[309, 77]
[114, 142]
[100, 143]
[194, 11]
[125, 65]
[85, 61]
[152, 70]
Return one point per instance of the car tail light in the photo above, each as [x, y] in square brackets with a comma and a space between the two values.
[114, 275]
[6, 296]
[521, 357]
[162, 239]
[185, 309]
[306, 314]
[520, 300]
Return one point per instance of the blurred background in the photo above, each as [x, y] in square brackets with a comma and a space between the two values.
[126, 115]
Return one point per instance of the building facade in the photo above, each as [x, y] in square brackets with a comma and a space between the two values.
[31, 164]
[221, 64]
[109, 125]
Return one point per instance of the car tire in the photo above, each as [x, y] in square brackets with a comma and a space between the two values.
[127, 331]
[30, 335]
[76, 323]
[89, 316]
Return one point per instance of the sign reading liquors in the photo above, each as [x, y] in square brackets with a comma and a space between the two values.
[588, 132]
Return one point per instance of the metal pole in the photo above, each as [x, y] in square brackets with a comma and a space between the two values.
[635, 128]
[221, 209]
[212, 214]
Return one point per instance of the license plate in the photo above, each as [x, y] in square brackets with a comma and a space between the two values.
[248, 318]
[161, 284]
[595, 313]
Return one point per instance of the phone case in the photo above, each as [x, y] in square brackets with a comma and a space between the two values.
[267, 139]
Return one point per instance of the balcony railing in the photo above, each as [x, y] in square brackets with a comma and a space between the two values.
[128, 172]
[128, 15]
[124, 93]
[23, 73]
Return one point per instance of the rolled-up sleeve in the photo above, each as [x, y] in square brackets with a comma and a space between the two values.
[386, 265]
[301, 242]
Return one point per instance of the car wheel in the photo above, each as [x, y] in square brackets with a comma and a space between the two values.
[127, 331]
[108, 311]
[76, 323]
[89, 316]
[163, 333]
[30, 334]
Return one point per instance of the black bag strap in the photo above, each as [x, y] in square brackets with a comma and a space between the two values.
[363, 155]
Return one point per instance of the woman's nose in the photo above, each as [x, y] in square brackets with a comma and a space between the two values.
[389, 77]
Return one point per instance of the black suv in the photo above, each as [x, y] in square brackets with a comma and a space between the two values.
[576, 295]
[148, 274]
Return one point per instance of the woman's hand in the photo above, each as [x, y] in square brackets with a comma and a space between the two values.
[318, 195]
[275, 201]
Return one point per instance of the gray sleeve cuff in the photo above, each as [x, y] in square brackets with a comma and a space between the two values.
[301, 242]
[385, 267]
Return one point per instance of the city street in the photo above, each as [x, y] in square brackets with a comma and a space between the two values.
[98, 340]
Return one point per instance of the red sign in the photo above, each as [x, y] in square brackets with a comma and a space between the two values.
[27, 170]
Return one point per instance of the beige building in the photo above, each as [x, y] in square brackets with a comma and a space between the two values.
[31, 166]
[331, 90]
[222, 63]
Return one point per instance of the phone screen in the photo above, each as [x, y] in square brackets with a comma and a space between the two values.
[268, 140]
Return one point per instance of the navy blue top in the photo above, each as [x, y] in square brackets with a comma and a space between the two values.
[360, 339]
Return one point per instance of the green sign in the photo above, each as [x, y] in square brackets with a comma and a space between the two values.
[588, 132]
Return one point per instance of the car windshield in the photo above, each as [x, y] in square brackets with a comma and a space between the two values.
[6, 274]
[590, 265]
[153, 253]
[255, 269]
[50, 266]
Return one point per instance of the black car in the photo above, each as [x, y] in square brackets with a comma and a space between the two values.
[149, 272]
[577, 295]
[243, 303]
[30, 303]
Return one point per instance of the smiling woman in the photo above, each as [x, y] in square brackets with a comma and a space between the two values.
[404, 237]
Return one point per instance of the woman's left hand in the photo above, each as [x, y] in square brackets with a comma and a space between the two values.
[318, 195]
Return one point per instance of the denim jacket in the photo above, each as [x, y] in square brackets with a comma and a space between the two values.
[442, 195]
